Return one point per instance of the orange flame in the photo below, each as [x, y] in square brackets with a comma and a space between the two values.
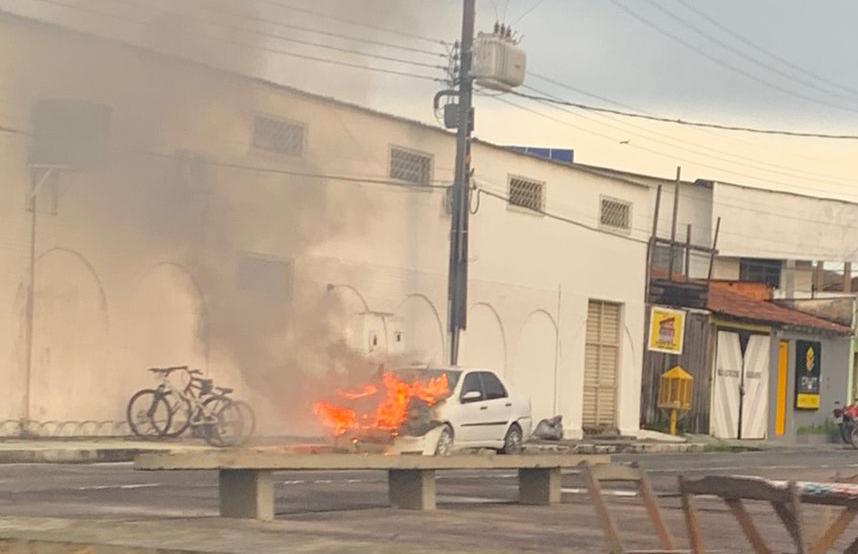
[391, 410]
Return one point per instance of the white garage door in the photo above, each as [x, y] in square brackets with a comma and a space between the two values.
[741, 386]
[601, 366]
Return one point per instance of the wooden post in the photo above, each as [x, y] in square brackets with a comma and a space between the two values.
[673, 222]
[687, 252]
[714, 249]
[650, 247]
[847, 277]
[673, 421]
[819, 276]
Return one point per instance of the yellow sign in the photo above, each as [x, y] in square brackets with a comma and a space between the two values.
[666, 330]
[807, 401]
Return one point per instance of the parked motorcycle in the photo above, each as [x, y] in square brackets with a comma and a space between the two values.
[847, 420]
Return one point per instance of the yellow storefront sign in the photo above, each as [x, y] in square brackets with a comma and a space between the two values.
[666, 330]
[807, 401]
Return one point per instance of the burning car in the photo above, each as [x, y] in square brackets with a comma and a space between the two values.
[431, 410]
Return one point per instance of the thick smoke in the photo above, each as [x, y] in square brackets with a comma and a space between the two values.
[164, 193]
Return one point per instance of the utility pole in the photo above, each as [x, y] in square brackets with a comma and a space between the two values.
[457, 293]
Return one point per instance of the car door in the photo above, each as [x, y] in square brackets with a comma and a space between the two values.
[472, 412]
[499, 409]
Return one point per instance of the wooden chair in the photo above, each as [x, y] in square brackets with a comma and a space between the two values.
[595, 475]
[833, 526]
[784, 498]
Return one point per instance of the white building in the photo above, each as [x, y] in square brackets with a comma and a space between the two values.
[280, 240]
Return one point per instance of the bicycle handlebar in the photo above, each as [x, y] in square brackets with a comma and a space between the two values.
[172, 369]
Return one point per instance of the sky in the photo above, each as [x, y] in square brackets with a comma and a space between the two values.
[782, 64]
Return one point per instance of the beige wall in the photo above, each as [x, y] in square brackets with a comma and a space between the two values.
[139, 268]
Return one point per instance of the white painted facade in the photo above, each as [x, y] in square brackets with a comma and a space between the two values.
[137, 267]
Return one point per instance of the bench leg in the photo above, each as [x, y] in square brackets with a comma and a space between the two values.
[246, 494]
[411, 489]
[539, 486]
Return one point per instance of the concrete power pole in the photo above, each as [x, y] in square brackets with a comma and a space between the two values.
[457, 293]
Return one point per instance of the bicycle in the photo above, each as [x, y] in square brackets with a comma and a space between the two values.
[210, 396]
[218, 418]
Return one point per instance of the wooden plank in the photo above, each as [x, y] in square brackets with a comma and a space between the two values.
[747, 525]
[651, 504]
[790, 515]
[695, 538]
[595, 490]
[249, 459]
[830, 535]
[746, 488]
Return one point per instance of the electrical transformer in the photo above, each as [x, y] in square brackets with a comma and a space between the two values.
[499, 63]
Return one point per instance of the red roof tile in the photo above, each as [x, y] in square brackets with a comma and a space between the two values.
[732, 304]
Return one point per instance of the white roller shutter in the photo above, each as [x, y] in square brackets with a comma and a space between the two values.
[601, 366]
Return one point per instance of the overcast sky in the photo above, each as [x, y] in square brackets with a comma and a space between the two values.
[619, 50]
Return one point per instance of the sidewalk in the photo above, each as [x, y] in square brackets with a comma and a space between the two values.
[105, 450]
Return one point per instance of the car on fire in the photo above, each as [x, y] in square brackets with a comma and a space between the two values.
[480, 411]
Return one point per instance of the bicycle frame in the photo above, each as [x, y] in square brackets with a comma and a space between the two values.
[200, 413]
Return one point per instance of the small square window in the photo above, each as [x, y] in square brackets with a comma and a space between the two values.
[527, 193]
[616, 213]
[411, 167]
[264, 275]
[276, 135]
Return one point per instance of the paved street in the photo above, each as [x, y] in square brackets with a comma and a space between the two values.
[475, 508]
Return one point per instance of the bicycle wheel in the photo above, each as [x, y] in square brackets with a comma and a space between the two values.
[148, 414]
[248, 420]
[229, 422]
[180, 414]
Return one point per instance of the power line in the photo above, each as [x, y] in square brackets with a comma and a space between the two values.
[280, 37]
[753, 162]
[650, 150]
[711, 132]
[528, 12]
[759, 48]
[326, 33]
[13, 131]
[351, 22]
[744, 55]
[278, 51]
[564, 219]
[685, 122]
[703, 53]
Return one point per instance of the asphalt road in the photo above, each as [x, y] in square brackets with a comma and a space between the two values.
[117, 491]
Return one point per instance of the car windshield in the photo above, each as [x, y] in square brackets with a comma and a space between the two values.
[428, 374]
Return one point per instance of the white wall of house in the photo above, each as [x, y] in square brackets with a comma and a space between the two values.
[142, 266]
[778, 225]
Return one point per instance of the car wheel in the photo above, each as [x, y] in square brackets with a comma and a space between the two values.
[513, 442]
[445, 442]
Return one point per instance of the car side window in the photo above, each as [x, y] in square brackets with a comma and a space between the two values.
[492, 386]
[472, 383]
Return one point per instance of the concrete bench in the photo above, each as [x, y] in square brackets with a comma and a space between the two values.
[246, 484]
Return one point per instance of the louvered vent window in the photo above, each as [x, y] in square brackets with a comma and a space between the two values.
[616, 214]
[411, 167]
[276, 135]
[527, 193]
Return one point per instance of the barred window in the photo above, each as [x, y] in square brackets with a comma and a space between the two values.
[526, 193]
[411, 167]
[616, 213]
[276, 135]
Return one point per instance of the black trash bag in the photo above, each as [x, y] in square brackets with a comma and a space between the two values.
[550, 429]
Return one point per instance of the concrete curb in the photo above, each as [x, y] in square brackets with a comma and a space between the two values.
[620, 448]
[26, 546]
[71, 455]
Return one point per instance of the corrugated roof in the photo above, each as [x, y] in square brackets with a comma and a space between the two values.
[735, 305]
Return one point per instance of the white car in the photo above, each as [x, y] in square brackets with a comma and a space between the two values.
[479, 413]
